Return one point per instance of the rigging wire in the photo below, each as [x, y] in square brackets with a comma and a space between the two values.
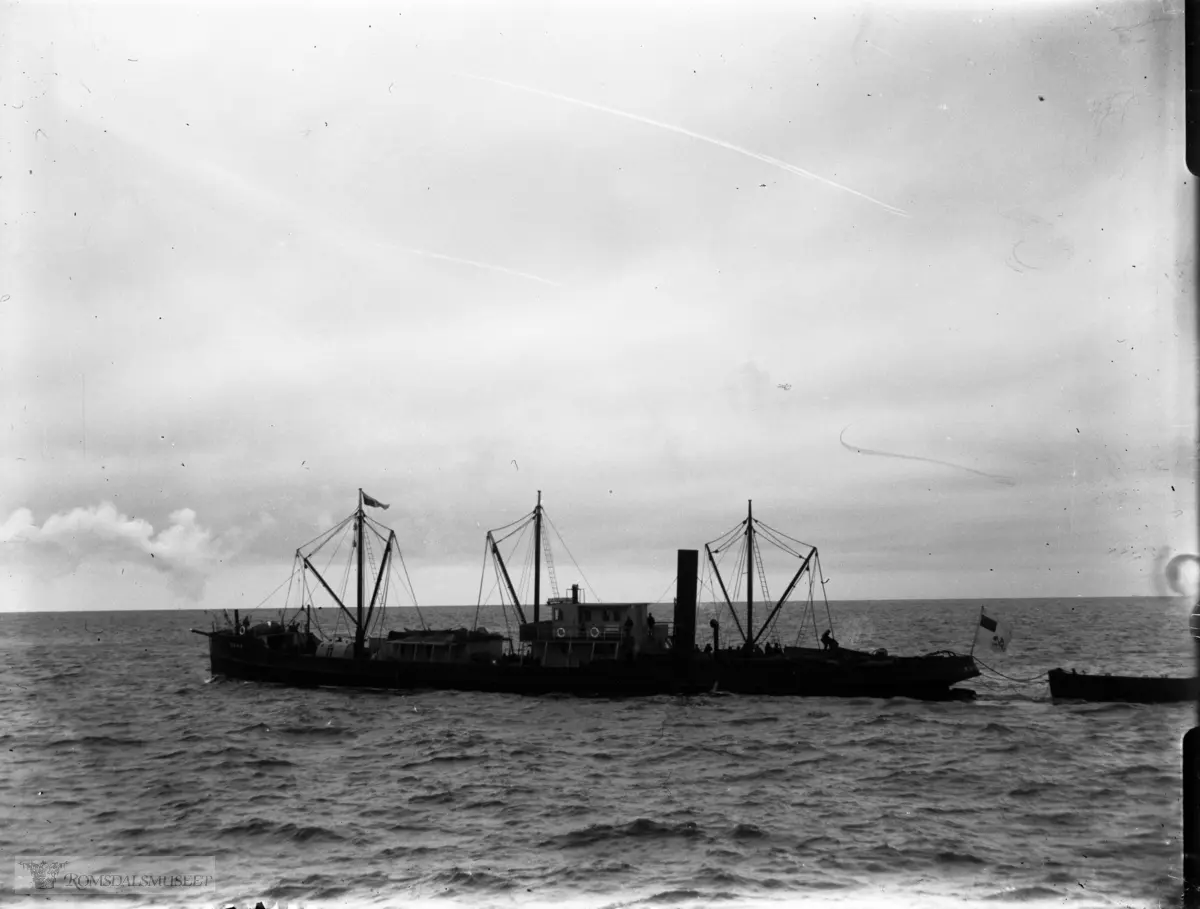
[729, 533]
[762, 572]
[482, 575]
[782, 534]
[706, 582]
[664, 593]
[771, 538]
[382, 531]
[308, 596]
[738, 576]
[525, 522]
[572, 558]
[370, 557]
[375, 578]
[329, 561]
[384, 588]
[333, 554]
[526, 567]
[317, 620]
[517, 545]
[502, 590]
[412, 592]
[405, 583]
[273, 592]
[526, 517]
[727, 601]
[1034, 678]
[481, 599]
[813, 600]
[346, 576]
[327, 533]
[490, 555]
[287, 596]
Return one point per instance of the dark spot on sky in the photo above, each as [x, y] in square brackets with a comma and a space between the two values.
[1041, 97]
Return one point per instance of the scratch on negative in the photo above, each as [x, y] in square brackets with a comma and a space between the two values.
[999, 478]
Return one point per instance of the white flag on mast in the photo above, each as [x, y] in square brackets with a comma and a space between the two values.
[998, 632]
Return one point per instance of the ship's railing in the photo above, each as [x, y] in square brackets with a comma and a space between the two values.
[586, 631]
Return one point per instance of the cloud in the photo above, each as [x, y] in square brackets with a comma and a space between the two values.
[184, 550]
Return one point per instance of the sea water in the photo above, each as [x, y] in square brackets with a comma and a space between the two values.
[115, 740]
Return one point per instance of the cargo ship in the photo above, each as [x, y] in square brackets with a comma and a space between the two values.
[604, 649]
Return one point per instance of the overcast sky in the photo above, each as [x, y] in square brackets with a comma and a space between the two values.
[653, 259]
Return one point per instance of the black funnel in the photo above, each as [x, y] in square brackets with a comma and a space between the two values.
[685, 604]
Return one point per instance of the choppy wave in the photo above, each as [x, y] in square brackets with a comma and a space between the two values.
[442, 799]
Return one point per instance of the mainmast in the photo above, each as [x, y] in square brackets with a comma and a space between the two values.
[749, 574]
[358, 542]
[537, 557]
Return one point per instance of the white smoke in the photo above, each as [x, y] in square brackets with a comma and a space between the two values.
[184, 551]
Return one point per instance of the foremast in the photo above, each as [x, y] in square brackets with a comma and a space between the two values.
[364, 609]
[359, 628]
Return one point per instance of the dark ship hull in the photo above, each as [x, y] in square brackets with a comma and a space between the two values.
[1131, 689]
[810, 673]
[602, 649]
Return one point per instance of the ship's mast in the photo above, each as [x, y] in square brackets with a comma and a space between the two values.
[749, 574]
[537, 557]
[358, 539]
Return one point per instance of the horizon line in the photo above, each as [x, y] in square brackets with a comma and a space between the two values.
[668, 603]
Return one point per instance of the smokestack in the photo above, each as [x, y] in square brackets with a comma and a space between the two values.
[685, 606]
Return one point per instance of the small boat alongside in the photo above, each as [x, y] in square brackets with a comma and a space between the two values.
[1079, 686]
[573, 647]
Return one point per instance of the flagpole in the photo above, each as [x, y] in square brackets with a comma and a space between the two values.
[975, 632]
